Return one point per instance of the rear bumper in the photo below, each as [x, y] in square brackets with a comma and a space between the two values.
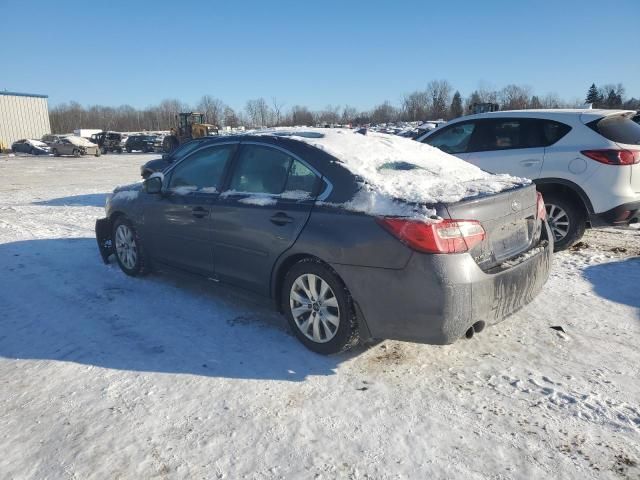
[437, 298]
[621, 215]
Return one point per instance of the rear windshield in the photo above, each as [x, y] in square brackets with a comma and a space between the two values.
[617, 128]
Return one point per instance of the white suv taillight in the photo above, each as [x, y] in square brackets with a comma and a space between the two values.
[613, 157]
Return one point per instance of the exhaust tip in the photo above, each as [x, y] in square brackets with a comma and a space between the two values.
[479, 326]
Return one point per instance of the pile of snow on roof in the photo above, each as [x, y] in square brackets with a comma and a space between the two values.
[394, 167]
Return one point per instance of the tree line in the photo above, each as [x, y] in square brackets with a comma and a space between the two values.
[438, 100]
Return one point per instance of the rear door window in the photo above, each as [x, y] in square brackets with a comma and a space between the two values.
[453, 139]
[552, 131]
[516, 133]
[260, 169]
[617, 128]
[301, 182]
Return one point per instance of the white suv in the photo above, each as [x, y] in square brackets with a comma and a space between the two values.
[586, 163]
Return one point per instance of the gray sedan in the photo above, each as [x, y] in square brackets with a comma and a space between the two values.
[330, 241]
[76, 146]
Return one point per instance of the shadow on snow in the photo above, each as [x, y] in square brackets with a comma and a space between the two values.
[617, 281]
[90, 200]
[60, 302]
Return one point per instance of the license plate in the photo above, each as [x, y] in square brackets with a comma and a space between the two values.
[510, 239]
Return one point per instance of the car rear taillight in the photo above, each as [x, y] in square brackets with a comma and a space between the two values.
[542, 211]
[613, 157]
[447, 236]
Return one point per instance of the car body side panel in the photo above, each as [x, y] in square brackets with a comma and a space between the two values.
[437, 298]
[343, 237]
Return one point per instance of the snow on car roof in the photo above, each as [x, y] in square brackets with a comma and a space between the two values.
[36, 143]
[80, 141]
[400, 168]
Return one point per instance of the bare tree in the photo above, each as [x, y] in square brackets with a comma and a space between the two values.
[416, 106]
[301, 116]
[278, 107]
[439, 92]
[514, 97]
[212, 108]
[384, 113]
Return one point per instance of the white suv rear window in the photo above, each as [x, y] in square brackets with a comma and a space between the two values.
[617, 128]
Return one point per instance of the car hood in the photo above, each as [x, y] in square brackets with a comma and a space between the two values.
[134, 187]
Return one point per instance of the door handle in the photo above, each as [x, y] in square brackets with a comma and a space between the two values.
[281, 219]
[199, 212]
[530, 162]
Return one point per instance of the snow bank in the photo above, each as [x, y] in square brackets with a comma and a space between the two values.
[394, 167]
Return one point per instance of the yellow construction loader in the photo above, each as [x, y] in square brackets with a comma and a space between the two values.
[190, 125]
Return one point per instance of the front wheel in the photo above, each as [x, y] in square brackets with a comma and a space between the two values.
[130, 253]
[566, 220]
[319, 308]
[55, 153]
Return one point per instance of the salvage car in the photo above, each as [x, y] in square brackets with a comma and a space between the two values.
[74, 145]
[159, 164]
[34, 147]
[108, 141]
[352, 236]
[143, 143]
[586, 162]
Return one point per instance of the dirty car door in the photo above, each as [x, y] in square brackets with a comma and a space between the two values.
[178, 222]
[267, 203]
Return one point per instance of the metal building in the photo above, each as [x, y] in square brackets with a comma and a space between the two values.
[22, 115]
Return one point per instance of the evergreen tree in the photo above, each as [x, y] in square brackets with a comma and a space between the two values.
[613, 100]
[594, 96]
[455, 110]
[535, 102]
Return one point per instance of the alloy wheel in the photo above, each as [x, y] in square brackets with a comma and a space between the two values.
[558, 221]
[314, 308]
[126, 247]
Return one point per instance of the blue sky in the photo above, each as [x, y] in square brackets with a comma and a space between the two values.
[312, 53]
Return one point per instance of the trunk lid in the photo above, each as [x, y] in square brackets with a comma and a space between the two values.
[509, 220]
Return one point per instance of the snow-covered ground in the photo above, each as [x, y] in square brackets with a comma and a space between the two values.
[106, 376]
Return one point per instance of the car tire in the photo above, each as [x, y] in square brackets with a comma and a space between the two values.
[55, 153]
[105, 151]
[76, 152]
[129, 150]
[566, 219]
[312, 314]
[98, 152]
[127, 246]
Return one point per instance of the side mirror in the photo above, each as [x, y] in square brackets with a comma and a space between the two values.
[153, 185]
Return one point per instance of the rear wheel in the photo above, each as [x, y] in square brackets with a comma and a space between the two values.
[55, 153]
[566, 220]
[130, 253]
[319, 308]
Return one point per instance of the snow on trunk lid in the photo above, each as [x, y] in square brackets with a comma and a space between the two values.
[396, 170]
[509, 221]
